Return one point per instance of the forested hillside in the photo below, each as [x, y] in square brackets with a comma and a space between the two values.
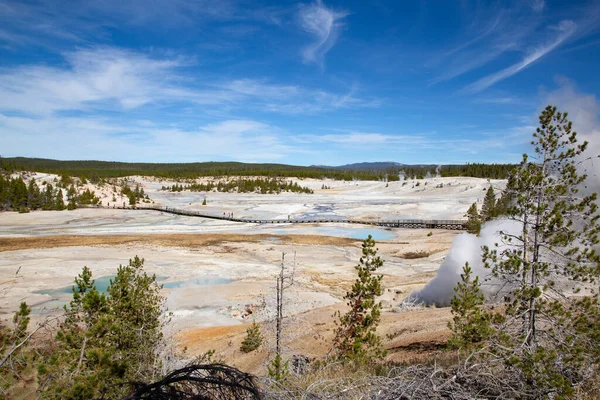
[104, 169]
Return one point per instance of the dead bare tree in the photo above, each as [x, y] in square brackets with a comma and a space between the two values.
[285, 280]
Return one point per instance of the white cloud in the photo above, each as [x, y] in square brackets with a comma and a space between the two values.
[324, 25]
[499, 30]
[566, 30]
[361, 138]
[97, 138]
[408, 142]
[107, 103]
[584, 112]
[47, 23]
[493, 31]
[538, 5]
[112, 79]
[499, 100]
[100, 78]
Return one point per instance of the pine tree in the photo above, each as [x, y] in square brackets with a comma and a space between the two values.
[4, 193]
[503, 204]
[18, 194]
[253, 338]
[71, 192]
[15, 353]
[80, 364]
[21, 321]
[132, 199]
[60, 203]
[48, 198]
[277, 369]
[473, 222]
[34, 196]
[488, 210]
[550, 336]
[72, 203]
[106, 341]
[470, 323]
[356, 337]
[136, 306]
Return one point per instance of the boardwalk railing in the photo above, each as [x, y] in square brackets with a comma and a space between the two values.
[455, 224]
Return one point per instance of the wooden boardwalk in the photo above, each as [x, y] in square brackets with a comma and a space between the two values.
[399, 223]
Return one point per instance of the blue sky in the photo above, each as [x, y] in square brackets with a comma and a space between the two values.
[325, 82]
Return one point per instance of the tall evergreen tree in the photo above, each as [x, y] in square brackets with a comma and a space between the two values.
[80, 365]
[473, 221]
[18, 194]
[72, 203]
[59, 203]
[356, 338]
[34, 196]
[4, 193]
[488, 210]
[136, 306]
[470, 323]
[48, 201]
[503, 203]
[550, 336]
[108, 340]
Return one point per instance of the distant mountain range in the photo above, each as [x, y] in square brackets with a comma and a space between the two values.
[362, 166]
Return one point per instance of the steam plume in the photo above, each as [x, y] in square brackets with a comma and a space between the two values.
[465, 248]
[583, 110]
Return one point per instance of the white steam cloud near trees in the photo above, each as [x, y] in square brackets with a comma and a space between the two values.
[466, 247]
[584, 112]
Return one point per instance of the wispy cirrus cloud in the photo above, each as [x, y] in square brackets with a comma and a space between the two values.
[324, 25]
[52, 24]
[105, 78]
[104, 103]
[406, 142]
[566, 29]
[493, 31]
[94, 79]
[506, 99]
[499, 31]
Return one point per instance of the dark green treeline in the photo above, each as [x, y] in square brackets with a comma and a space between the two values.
[263, 186]
[94, 170]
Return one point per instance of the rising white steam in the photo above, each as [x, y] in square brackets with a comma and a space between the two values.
[401, 176]
[465, 248]
[584, 110]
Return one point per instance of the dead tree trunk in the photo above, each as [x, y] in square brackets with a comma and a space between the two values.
[284, 281]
